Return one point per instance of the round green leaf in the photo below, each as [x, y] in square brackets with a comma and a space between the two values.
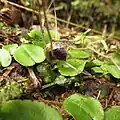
[78, 53]
[5, 58]
[71, 67]
[113, 113]
[28, 110]
[29, 54]
[83, 107]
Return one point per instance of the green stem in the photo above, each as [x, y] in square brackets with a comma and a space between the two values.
[48, 85]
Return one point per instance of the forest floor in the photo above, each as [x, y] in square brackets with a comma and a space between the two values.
[105, 88]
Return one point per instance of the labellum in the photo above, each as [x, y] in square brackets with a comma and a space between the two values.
[58, 50]
[60, 53]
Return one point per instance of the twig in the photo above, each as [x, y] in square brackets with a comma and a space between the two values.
[47, 27]
[106, 103]
[55, 21]
[111, 95]
[40, 17]
[8, 71]
[92, 49]
[46, 22]
[98, 94]
[49, 6]
[33, 77]
[69, 17]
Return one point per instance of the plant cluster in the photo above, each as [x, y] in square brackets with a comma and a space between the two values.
[77, 105]
[61, 62]
[81, 54]
[9, 91]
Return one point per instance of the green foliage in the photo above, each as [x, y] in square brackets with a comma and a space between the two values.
[5, 58]
[46, 72]
[10, 91]
[35, 34]
[87, 108]
[116, 58]
[1, 24]
[98, 62]
[50, 77]
[71, 67]
[76, 53]
[113, 70]
[113, 113]
[78, 56]
[26, 54]
[11, 48]
[41, 39]
[61, 80]
[29, 54]
[83, 107]
[54, 36]
[106, 68]
[28, 110]
[27, 2]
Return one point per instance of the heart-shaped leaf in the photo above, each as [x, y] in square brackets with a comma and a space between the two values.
[83, 107]
[113, 113]
[29, 54]
[28, 110]
[5, 58]
[71, 67]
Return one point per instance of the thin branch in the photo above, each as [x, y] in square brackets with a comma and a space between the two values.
[36, 82]
[49, 6]
[55, 21]
[46, 24]
[104, 56]
[45, 16]
[40, 17]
